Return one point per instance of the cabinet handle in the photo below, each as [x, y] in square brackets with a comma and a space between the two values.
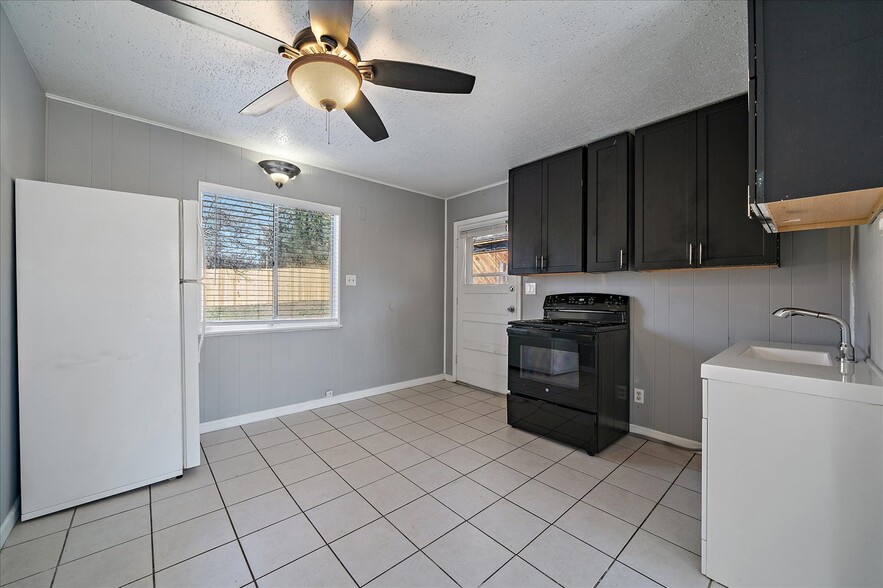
[542, 261]
[536, 262]
[621, 258]
[700, 253]
[690, 255]
[749, 201]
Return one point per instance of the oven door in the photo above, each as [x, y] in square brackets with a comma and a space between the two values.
[554, 366]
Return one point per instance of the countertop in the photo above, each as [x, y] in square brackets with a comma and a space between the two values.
[861, 384]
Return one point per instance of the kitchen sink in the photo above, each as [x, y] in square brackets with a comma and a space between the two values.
[789, 355]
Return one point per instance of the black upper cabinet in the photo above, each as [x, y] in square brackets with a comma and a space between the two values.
[547, 215]
[665, 194]
[691, 207]
[609, 192]
[525, 218]
[817, 86]
[727, 235]
[564, 229]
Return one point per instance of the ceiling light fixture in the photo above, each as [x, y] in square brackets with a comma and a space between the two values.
[279, 171]
[325, 81]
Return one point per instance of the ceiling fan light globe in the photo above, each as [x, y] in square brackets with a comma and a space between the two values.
[324, 81]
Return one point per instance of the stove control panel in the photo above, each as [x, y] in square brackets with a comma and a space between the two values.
[586, 301]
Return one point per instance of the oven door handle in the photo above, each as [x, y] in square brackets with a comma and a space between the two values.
[548, 334]
[517, 331]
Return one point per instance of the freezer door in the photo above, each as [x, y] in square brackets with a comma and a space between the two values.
[99, 343]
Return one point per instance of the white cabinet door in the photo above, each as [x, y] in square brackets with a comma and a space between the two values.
[99, 343]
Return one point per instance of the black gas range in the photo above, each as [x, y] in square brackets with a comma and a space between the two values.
[569, 371]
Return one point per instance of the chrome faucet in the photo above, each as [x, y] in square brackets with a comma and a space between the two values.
[847, 352]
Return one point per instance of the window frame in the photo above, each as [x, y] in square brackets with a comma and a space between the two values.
[275, 325]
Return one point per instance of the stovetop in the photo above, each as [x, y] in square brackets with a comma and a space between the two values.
[585, 313]
[569, 326]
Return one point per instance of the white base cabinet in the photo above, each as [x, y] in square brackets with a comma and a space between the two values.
[792, 488]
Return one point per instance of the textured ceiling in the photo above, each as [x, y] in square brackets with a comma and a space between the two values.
[550, 75]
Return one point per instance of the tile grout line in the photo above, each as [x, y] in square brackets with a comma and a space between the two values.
[230, 520]
[63, 545]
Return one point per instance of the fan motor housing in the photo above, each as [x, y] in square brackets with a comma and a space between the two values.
[306, 43]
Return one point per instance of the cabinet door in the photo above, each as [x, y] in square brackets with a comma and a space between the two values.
[726, 234]
[609, 183]
[564, 235]
[820, 97]
[665, 194]
[526, 218]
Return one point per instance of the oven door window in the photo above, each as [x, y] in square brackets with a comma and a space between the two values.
[557, 364]
[558, 369]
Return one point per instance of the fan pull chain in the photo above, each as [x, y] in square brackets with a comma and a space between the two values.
[328, 125]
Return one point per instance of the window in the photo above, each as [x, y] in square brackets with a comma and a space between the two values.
[271, 262]
[488, 256]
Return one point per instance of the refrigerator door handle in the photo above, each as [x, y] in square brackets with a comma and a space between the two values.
[200, 257]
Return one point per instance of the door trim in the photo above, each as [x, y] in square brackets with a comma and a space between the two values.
[467, 224]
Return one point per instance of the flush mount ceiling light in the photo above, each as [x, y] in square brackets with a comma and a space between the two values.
[327, 70]
[279, 171]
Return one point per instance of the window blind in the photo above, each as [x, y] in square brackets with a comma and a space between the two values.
[267, 262]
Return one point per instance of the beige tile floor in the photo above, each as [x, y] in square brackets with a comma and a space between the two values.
[424, 486]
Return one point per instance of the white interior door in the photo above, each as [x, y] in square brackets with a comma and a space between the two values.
[487, 299]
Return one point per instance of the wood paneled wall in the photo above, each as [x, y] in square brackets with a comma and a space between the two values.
[390, 238]
[682, 318]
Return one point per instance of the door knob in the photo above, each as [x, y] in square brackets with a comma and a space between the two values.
[511, 309]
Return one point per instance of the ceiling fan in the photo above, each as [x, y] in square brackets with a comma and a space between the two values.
[326, 69]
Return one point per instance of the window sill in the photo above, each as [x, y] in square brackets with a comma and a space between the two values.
[254, 328]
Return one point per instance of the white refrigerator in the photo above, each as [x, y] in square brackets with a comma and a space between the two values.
[109, 303]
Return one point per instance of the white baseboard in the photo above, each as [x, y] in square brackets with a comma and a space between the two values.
[9, 521]
[665, 437]
[253, 417]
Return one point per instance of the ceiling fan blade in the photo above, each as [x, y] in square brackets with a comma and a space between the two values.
[270, 99]
[422, 78]
[366, 118]
[216, 23]
[332, 18]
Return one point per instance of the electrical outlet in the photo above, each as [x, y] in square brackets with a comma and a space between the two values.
[350, 280]
[530, 289]
[329, 393]
[639, 396]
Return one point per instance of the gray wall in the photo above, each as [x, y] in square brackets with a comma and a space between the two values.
[472, 205]
[682, 318]
[22, 155]
[868, 266]
[390, 238]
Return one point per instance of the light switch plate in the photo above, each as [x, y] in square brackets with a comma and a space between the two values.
[530, 288]
[350, 280]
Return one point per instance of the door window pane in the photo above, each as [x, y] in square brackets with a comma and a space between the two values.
[488, 258]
